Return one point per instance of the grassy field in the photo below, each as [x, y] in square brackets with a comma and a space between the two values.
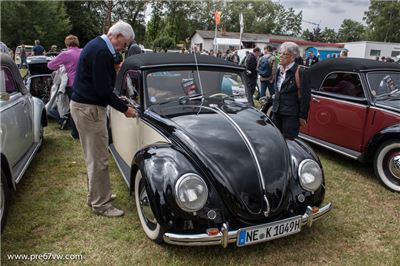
[48, 214]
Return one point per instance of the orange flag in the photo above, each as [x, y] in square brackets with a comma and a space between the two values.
[217, 16]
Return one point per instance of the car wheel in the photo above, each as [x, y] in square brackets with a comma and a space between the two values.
[387, 164]
[149, 223]
[4, 199]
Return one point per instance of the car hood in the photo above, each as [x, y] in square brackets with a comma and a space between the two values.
[392, 104]
[230, 150]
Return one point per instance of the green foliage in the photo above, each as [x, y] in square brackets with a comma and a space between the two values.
[383, 20]
[315, 35]
[24, 22]
[351, 31]
[329, 35]
[164, 42]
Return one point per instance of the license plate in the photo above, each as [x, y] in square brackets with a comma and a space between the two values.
[266, 232]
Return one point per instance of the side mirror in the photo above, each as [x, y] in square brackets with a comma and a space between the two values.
[4, 96]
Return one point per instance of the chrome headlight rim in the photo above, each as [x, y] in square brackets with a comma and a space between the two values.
[177, 187]
[299, 173]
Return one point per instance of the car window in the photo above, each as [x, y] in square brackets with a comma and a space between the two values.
[347, 84]
[131, 87]
[383, 83]
[164, 86]
[11, 86]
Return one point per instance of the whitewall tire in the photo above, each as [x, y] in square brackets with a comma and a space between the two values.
[151, 227]
[387, 164]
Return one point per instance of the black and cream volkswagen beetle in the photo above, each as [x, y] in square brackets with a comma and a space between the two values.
[205, 168]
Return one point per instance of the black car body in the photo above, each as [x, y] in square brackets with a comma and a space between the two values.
[205, 167]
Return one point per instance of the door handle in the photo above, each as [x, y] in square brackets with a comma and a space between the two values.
[315, 100]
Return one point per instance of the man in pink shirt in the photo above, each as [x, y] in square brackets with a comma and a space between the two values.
[69, 59]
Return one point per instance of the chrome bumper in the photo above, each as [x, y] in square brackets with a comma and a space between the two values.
[225, 236]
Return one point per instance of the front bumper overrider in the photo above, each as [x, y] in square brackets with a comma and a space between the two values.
[224, 237]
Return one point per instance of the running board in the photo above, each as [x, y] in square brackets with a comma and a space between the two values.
[124, 169]
[344, 151]
[20, 168]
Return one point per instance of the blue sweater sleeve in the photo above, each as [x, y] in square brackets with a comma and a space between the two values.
[102, 74]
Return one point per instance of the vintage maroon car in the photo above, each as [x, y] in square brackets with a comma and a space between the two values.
[355, 111]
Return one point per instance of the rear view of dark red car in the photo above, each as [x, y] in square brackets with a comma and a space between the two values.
[355, 111]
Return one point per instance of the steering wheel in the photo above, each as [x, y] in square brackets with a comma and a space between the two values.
[219, 94]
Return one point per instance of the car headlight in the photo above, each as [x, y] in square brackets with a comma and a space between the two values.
[191, 192]
[310, 175]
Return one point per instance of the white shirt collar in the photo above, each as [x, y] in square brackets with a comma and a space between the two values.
[287, 67]
[109, 44]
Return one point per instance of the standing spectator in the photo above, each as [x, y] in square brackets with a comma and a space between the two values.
[92, 92]
[234, 57]
[134, 48]
[38, 49]
[311, 59]
[22, 55]
[251, 73]
[4, 48]
[219, 54]
[53, 49]
[300, 61]
[267, 69]
[344, 53]
[69, 59]
[292, 97]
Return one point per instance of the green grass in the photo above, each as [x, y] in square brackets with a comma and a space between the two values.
[48, 213]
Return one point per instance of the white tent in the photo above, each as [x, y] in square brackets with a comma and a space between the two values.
[226, 42]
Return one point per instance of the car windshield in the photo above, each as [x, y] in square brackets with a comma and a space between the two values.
[384, 84]
[167, 86]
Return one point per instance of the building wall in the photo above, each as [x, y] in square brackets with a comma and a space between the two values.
[370, 50]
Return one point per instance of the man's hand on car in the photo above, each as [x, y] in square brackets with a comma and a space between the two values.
[131, 112]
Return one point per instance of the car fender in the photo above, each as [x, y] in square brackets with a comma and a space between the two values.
[391, 132]
[161, 165]
[39, 117]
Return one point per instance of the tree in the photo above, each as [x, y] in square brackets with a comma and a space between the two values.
[329, 35]
[24, 22]
[351, 31]
[315, 35]
[383, 19]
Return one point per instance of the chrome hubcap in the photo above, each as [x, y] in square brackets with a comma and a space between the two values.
[145, 206]
[394, 166]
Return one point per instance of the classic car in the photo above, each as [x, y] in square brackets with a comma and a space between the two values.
[39, 79]
[355, 111]
[204, 166]
[22, 120]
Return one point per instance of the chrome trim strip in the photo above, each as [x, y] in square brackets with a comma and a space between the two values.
[305, 137]
[191, 65]
[225, 237]
[339, 100]
[382, 108]
[252, 152]
[28, 162]
[114, 155]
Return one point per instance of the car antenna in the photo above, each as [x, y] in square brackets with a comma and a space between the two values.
[198, 75]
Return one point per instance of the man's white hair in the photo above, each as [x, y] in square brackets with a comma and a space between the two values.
[123, 28]
[291, 47]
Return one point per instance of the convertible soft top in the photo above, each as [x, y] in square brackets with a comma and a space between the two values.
[147, 60]
[319, 71]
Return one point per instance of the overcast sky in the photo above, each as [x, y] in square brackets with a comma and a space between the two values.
[328, 13]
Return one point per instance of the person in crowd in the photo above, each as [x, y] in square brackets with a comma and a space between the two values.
[53, 49]
[383, 59]
[311, 59]
[344, 53]
[23, 55]
[266, 70]
[93, 90]
[38, 49]
[251, 73]
[234, 57]
[4, 48]
[292, 95]
[219, 54]
[134, 48]
[299, 60]
[69, 59]
[212, 52]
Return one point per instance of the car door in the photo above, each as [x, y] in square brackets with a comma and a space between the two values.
[126, 131]
[16, 119]
[338, 111]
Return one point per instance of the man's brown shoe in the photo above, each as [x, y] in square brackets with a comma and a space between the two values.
[110, 212]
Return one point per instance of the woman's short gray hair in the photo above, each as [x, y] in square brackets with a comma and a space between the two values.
[123, 28]
[291, 47]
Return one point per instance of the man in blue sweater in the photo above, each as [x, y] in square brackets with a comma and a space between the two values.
[92, 92]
